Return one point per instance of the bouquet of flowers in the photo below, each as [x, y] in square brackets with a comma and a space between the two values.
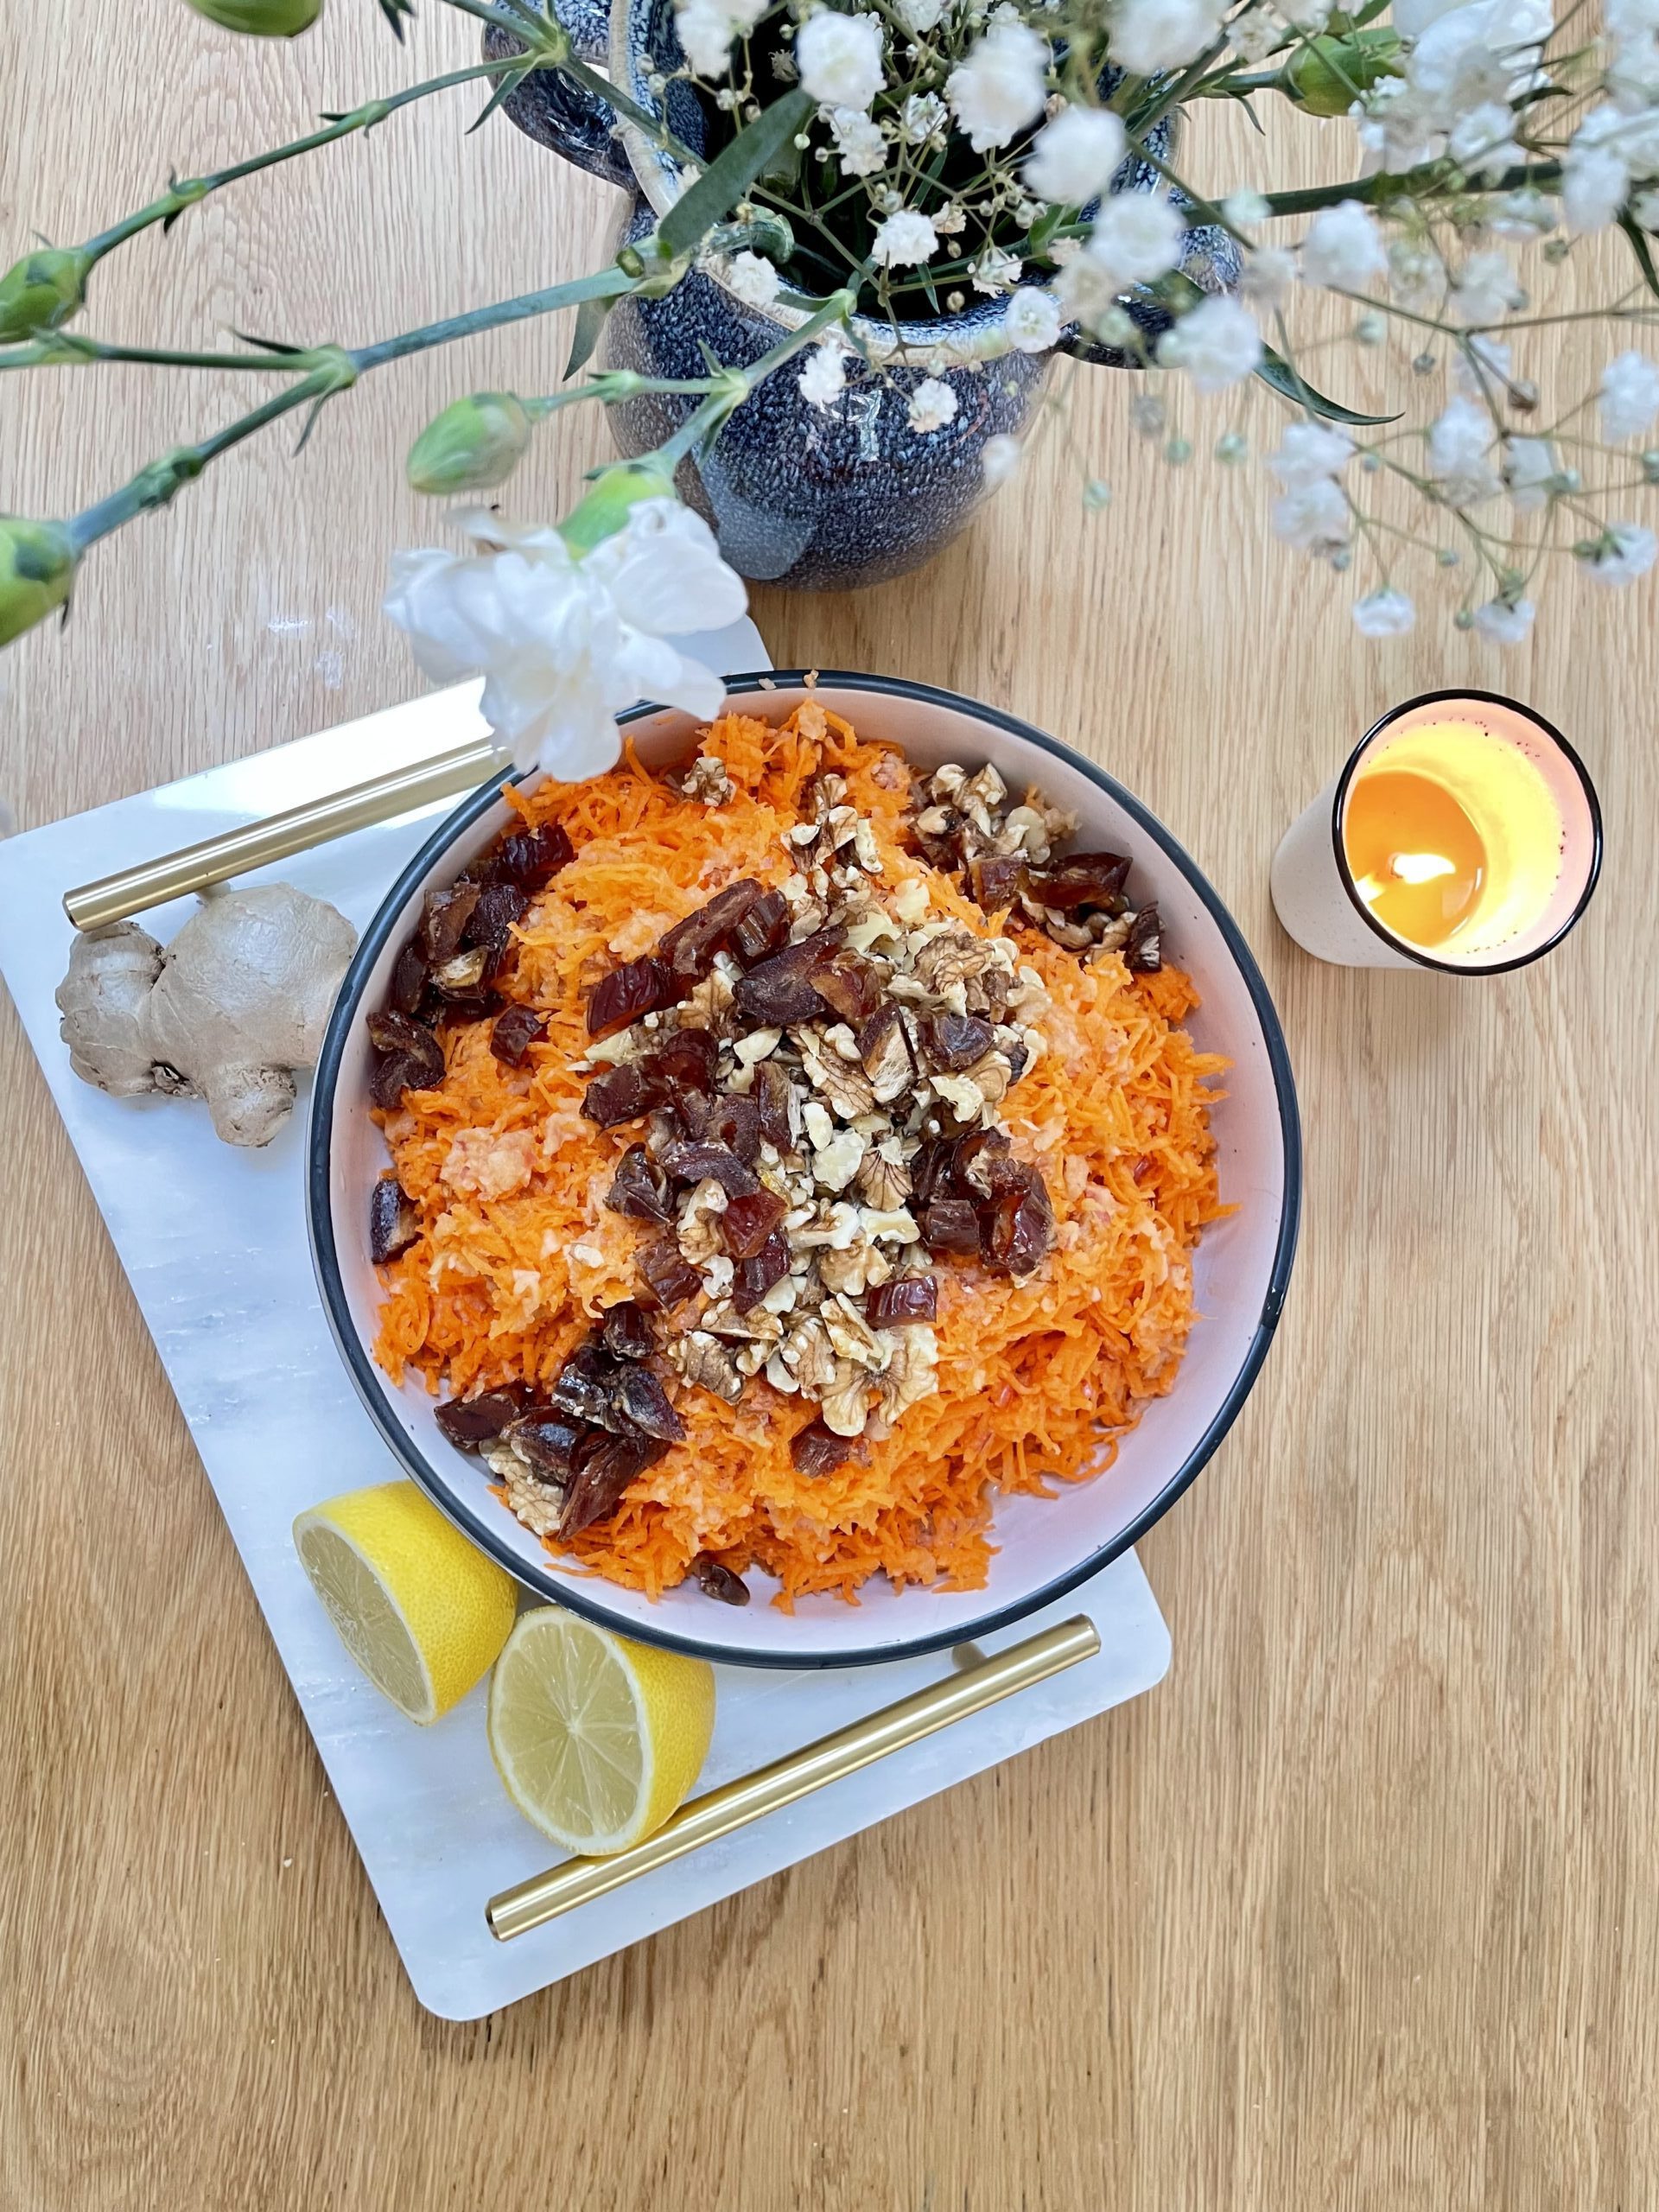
[864, 162]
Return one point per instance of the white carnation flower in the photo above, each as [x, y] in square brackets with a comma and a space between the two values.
[1076, 156]
[1505, 622]
[1384, 614]
[1344, 248]
[1624, 552]
[1314, 518]
[1000, 460]
[1150, 35]
[1137, 236]
[1485, 290]
[754, 279]
[1595, 176]
[1528, 473]
[1032, 320]
[1459, 453]
[565, 644]
[824, 374]
[860, 146]
[839, 58]
[1308, 454]
[1629, 397]
[921, 116]
[932, 404]
[1215, 343]
[904, 239]
[999, 88]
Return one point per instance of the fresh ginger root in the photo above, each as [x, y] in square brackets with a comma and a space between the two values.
[226, 1012]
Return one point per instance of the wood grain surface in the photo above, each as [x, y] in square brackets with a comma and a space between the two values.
[1358, 1909]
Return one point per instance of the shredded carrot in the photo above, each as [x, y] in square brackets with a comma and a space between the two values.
[1036, 1378]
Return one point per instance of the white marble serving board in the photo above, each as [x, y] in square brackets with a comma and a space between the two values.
[214, 1243]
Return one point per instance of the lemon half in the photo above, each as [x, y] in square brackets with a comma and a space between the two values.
[422, 1611]
[597, 1740]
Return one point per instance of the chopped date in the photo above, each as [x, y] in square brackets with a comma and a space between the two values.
[639, 1190]
[469, 1422]
[951, 1225]
[930, 1171]
[763, 930]
[954, 1041]
[411, 1058]
[996, 880]
[481, 1005]
[587, 1387]
[851, 984]
[625, 1331]
[408, 975]
[499, 907]
[530, 858]
[444, 918]
[666, 1275]
[392, 1032]
[816, 1450]
[514, 1033]
[783, 989]
[601, 1482]
[1144, 949]
[690, 947]
[551, 1442]
[620, 1093]
[643, 1402]
[717, 1581]
[461, 975]
[906, 1299]
[733, 1121]
[685, 1059]
[971, 1164]
[697, 1163]
[394, 1224]
[752, 1279]
[748, 1221]
[1081, 880]
[1017, 1226]
[637, 987]
[771, 1097]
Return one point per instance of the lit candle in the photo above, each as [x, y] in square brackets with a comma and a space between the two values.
[1461, 834]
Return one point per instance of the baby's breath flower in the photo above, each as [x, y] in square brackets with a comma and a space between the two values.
[1459, 453]
[860, 146]
[932, 404]
[1623, 552]
[1076, 156]
[823, 375]
[1254, 37]
[1232, 448]
[754, 279]
[1150, 35]
[1000, 460]
[1344, 248]
[1137, 236]
[904, 239]
[1595, 176]
[708, 29]
[1522, 215]
[1032, 320]
[1528, 473]
[1483, 143]
[1506, 622]
[1309, 454]
[1385, 613]
[921, 116]
[1485, 290]
[1267, 274]
[840, 58]
[1215, 342]
[950, 222]
[1244, 208]
[1313, 518]
[995, 271]
[999, 88]
[1629, 397]
[920, 16]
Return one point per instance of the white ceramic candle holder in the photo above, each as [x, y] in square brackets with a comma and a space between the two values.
[1532, 801]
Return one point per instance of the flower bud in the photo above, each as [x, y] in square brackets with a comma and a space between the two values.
[41, 291]
[605, 509]
[261, 18]
[37, 566]
[1328, 75]
[473, 446]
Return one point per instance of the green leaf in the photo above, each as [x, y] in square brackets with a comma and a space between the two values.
[1290, 385]
[505, 88]
[590, 323]
[1642, 252]
[394, 11]
[726, 180]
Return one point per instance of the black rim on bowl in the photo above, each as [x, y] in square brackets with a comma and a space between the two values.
[367, 1378]
[1339, 800]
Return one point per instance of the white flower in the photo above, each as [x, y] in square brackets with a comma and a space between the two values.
[1245, 208]
[1595, 176]
[1309, 16]
[1252, 36]
[1001, 86]
[823, 375]
[1032, 320]
[708, 29]
[1524, 214]
[995, 271]
[1629, 397]
[1001, 460]
[1150, 35]
[1308, 453]
[860, 146]
[922, 115]
[1459, 65]
[1076, 156]
[1483, 143]
[920, 16]
[1384, 614]
[1624, 552]
[1528, 473]
[1416, 273]
[754, 279]
[932, 404]
[1344, 248]
[1459, 453]
[1485, 290]
[565, 644]
[1267, 274]
[840, 58]
[1504, 622]
[1314, 518]
[1493, 362]
[1215, 343]
[1137, 236]
[904, 239]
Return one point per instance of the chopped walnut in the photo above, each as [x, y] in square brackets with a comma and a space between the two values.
[883, 1181]
[912, 1374]
[863, 1266]
[706, 780]
[852, 1335]
[843, 1083]
[808, 1354]
[845, 1405]
[704, 1360]
[699, 1228]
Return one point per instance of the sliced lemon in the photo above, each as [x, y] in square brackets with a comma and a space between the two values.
[422, 1611]
[598, 1740]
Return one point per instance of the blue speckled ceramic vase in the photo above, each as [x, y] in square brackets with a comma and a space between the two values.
[821, 500]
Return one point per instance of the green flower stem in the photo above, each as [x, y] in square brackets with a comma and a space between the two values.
[1417, 183]
[190, 190]
[732, 386]
[604, 284]
[545, 45]
[68, 350]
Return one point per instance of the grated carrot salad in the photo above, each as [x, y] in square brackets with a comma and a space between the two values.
[1036, 1378]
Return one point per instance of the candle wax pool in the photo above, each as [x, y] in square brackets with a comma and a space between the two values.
[1416, 858]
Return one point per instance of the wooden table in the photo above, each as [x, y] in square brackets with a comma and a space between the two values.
[1358, 1909]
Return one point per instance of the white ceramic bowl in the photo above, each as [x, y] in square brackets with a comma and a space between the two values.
[1045, 1546]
